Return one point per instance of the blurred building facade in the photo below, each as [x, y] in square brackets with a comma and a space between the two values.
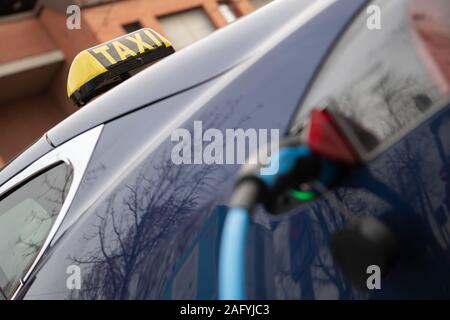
[37, 49]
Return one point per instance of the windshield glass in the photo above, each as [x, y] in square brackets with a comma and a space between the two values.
[378, 75]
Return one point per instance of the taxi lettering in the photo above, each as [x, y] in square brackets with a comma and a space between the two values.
[95, 70]
[127, 46]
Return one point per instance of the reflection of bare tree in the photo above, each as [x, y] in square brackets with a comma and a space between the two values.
[400, 96]
[147, 224]
[52, 191]
[383, 102]
[311, 270]
[331, 214]
[394, 97]
[31, 247]
[409, 164]
[384, 107]
[137, 220]
[55, 189]
[27, 216]
[325, 273]
[92, 173]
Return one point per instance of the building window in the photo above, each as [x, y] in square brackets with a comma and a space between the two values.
[8, 7]
[227, 12]
[186, 27]
[260, 3]
[132, 26]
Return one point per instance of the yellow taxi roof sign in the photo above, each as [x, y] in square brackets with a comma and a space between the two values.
[97, 69]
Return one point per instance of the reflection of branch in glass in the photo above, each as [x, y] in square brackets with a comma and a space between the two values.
[49, 201]
[54, 190]
[32, 247]
[386, 106]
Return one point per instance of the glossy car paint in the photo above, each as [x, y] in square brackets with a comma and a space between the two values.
[23, 160]
[209, 58]
[142, 227]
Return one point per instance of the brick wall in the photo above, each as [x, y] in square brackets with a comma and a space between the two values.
[25, 120]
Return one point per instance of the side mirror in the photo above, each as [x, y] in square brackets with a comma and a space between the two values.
[96, 70]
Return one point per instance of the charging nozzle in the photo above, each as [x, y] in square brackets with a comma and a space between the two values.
[298, 167]
[298, 164]
[316, 154]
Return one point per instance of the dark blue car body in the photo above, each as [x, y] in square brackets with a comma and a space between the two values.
[141, 227]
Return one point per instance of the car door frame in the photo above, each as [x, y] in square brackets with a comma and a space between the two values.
[76, 153]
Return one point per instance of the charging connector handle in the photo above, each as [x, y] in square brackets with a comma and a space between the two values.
[297, 164]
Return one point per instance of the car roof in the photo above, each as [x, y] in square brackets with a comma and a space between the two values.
[207, 59]
[195, 65]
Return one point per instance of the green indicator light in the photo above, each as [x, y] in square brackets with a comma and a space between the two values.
[303, 195]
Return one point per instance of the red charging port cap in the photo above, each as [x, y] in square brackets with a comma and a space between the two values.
[325, 138]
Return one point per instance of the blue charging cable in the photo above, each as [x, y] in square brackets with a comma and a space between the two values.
[232, 255]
